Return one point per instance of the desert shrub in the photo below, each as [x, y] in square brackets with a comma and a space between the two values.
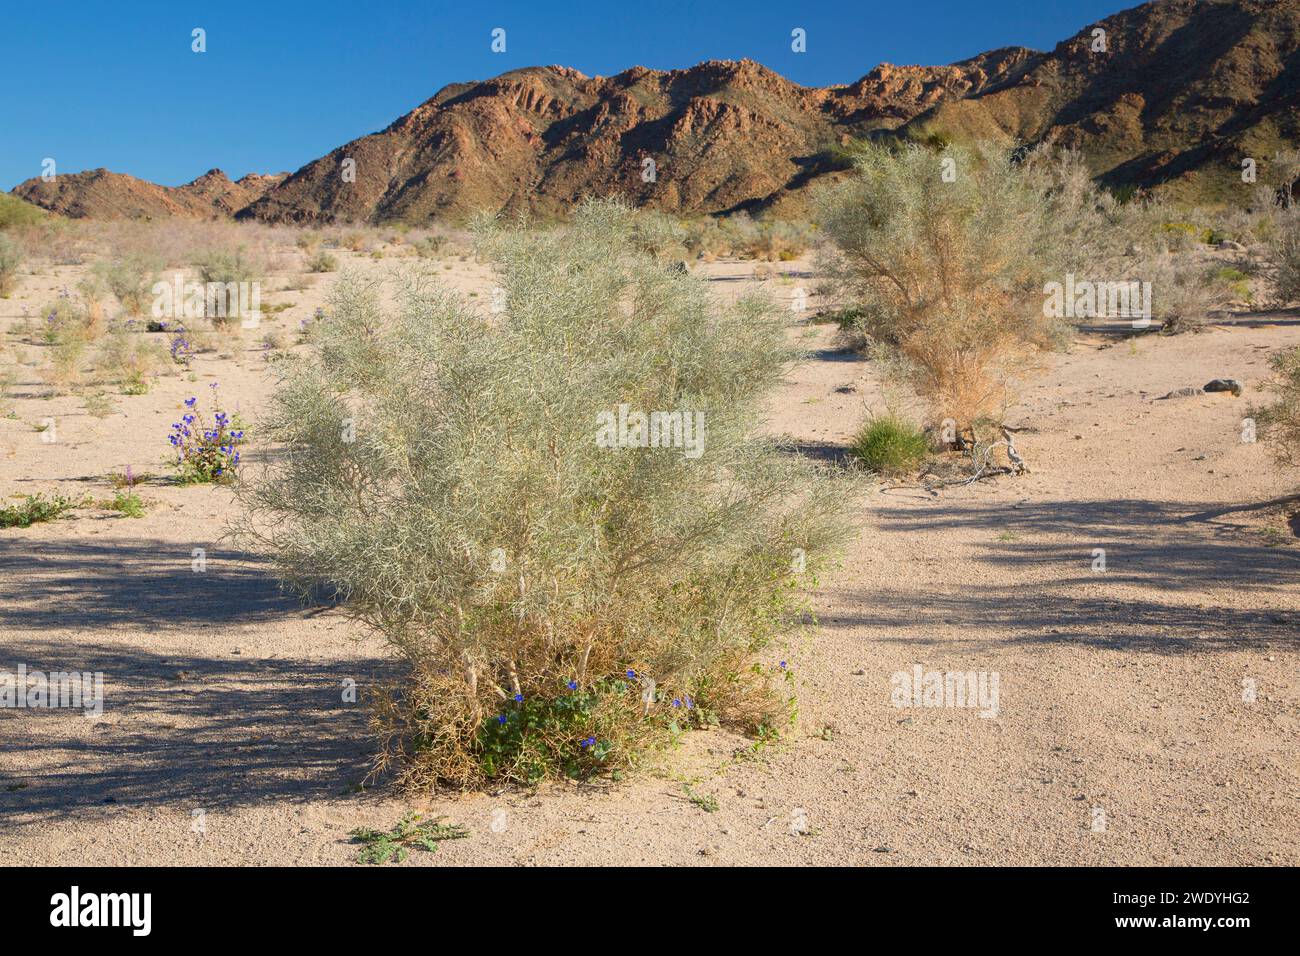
[307, 241]
[93, 291]
[429, 247]
[206, 451]
[227, 265]
[1282, 173]
[1284, 264]
[660, 235]
[1184, 292]
[128, 359]
[223, 271]
[322, 261]
[131, 278]
[68, 318]
[1279, 422]
[457, 479]
[11, 257]
[890, 445]
[949, 276]
[69, 330]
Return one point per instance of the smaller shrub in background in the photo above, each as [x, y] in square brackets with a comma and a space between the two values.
[227, 265]
[35, 508]
[93, 290]
[429, 247]
[322, 261]
[890, 445]
[660, 235]
[1183, 293]
[131, 278]
[206, 451]
[11, 257]
[128, 360]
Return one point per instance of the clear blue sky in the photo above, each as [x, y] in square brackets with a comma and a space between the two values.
[97, 83]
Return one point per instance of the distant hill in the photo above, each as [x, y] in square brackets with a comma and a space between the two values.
[100, 194]
[1169, 95]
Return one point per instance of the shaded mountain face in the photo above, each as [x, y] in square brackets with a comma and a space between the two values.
[1173, 94]
[100, 194]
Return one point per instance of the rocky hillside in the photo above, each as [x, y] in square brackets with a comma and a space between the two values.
[1182, 91]
[100, 194]
[722, 136]
[1172, 94]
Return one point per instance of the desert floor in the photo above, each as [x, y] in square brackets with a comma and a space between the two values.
[1121, 693]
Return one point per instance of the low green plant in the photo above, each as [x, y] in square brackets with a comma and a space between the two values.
[890, 445]
[383, 846]
[706, 802]
[126, 502]
[36, 508]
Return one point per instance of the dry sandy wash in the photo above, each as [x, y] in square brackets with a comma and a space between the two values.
[1120, 692]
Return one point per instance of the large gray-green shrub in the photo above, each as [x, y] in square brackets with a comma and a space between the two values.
[442, 472]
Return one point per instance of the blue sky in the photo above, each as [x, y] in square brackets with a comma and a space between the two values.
[115, 84]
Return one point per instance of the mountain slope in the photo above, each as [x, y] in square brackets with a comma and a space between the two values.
[721, 135]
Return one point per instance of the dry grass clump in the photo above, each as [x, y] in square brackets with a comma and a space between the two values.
[560, 603]
[947, 277]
